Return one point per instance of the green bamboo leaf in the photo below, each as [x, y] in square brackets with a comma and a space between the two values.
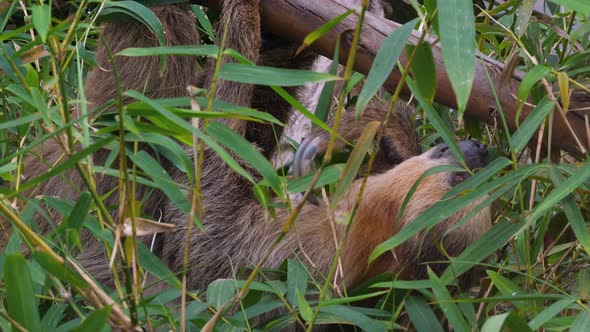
[69, 163]
[355, 161]
[494, 323]
[515, 323]
[562, 190]
[456, 25]
[96, 321]
[421, 314]
[261, 75]
[204, 21]
[530, 125]
[404, 284]
[58, 269]
[168, 148]
[524, 14]
[384, 63]
[322, 30]
[348, 314]
[220, 292]
[80, 212]
[508, 321]
[299, 107]
[573, 214]
[156, 267]
[444, 299]
[485, 246]
[507, 287]
[436, 121]
[551, 311]
[582, 322]
[324, 105]
[330, 174]
[241, 147]
[21, 305]
[138, 12]
[20, 121]
[581, 6]
[41, 20]
[530, 79]
[190, 50]
[304, 307]
[164, 182]
[423, 69]
[296, 280]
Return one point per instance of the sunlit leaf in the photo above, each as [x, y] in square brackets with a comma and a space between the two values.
[456, 26]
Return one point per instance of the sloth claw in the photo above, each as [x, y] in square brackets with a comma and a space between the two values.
[305, 155]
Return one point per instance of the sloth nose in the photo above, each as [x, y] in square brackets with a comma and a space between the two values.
[476, 153]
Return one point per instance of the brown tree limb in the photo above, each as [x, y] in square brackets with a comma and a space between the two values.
[294, 19]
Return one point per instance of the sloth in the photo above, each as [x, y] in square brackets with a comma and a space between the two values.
[236, 230]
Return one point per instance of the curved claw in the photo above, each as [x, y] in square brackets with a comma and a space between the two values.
[303, 159]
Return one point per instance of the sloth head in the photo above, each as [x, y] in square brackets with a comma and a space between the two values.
[377, 218]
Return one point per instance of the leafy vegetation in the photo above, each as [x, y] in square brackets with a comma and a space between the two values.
[538, 278]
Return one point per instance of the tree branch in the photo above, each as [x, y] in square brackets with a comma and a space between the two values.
[294, 19]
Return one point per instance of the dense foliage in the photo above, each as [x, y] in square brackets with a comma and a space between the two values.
[538, 276]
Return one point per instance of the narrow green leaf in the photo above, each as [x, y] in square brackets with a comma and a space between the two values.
[190, 50]
[241, 147]
[203, 21]
[349, 314]
[69, 163]
[423, 69]
[220, 292]
[384, 63]
[507, 287]
[323, 29]
[530, 125]
[551, 311]
[494, 323]
[530, 79]
[421, 314]
[577, 221]
[152, 167]
[436, 121]
[581, 6]
[96, 321]
[58, 269]
[261, 75]
[21, 305]
[355, 161]
[444, 299]
[296, 280]
[20, 121]
[41, 20]
[582, 322]
[152, 264]
[456, 25]
[524, 14]
[324, 105]
[138, 12]
[80, 212]
[491, 241]
[329, 175]
[304, 308]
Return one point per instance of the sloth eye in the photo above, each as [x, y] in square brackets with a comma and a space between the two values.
[440, 151]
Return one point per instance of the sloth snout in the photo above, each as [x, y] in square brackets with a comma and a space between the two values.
[476, 154]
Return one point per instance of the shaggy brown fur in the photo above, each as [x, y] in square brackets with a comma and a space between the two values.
[236, 232]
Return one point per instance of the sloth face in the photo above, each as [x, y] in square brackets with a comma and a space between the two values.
[474, 152]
